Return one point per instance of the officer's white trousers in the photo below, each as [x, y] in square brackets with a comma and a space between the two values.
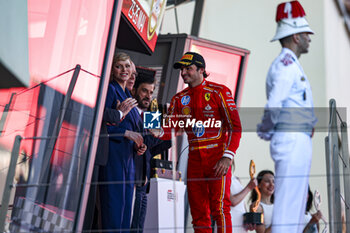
[291, 152]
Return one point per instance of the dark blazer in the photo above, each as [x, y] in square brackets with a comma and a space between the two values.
[110, 116]
[143, 162]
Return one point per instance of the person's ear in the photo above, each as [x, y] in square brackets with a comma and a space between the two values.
[296, 38]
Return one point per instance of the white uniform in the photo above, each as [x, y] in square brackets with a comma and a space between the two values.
[288, 122]
[238, 210]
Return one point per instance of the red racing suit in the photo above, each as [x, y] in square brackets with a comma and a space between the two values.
[213, 105]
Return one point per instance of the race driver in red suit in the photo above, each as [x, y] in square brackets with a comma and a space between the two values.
[212, 146]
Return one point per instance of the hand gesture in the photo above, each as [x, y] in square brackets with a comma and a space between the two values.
[316, 217]
[141, 150]
[222, 166]
[252, 184]
[250, 226]
[263, 133]
[126, 105]
[135, 137]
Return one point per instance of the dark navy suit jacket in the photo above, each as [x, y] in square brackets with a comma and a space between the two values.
[121, 148]
[143, 163]
[111, 116]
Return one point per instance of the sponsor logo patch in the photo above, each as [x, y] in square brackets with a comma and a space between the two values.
[185, 100]
[207, 107]
[207, 96]
[186, 110]
[198, 130]
[187, 57]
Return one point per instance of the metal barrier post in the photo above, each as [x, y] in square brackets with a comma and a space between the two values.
[329, 168]
[9, 182]
[4, 114]
[333, 173]
[346, 173]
